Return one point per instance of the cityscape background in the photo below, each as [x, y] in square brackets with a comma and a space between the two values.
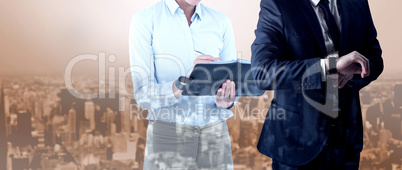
[42, 126]
[45, 127]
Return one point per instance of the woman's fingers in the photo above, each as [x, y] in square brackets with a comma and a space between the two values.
[223, 91]
[225, 96]
[205, 59]
[233, 91]
[201, 61]
[208, 57]
[228, 90]
[218, 93]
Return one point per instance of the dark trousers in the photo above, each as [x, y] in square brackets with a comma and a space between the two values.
[332, 157]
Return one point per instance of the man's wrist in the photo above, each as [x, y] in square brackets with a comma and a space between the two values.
[330, 64]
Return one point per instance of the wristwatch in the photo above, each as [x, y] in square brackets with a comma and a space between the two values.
[332, 64]
[179, 85]
[182, 82]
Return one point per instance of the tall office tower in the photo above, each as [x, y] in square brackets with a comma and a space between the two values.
[125, 115]
[49, 135]
[372, 115]
[38, 105]
[7, 111]
[392, 119]
[3, 136]
[134, 118]
[398, 95]
[398, 108]
[24, 129]
[7, 106]
[90, 113]
[117, 121]
[72, 124]
[110, 119]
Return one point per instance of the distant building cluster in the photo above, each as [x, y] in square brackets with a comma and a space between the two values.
[46, 127]
[382, 117]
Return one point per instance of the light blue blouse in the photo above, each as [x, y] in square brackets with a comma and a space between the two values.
[162, 49]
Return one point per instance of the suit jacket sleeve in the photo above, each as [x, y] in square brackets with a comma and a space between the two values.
[271, 68]
[373, 52]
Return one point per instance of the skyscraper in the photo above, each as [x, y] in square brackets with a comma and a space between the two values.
[398, 95]
[90, 113]
[24, 129]
[72, 124]
[125, 115]
[3, 136]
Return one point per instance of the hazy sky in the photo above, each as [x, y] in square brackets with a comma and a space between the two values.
[41, 36]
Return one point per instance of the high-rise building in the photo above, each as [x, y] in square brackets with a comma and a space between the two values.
[392, 119]
[110, 119]
[39, 107]
[398, 95]
[90, 113]
[49, 135]
[125, 115]
[3, 136]
[373, 114]
[7, 106]
[117, 121]
[24, 128]
[20, 163]
[72, 124]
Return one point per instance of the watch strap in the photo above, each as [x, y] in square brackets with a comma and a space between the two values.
[332, 66]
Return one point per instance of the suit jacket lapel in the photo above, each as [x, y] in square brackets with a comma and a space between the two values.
[311, 16]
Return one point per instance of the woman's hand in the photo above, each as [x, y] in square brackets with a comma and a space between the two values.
[226, 95]
[177, 92]
[202, 59]
[205, 59]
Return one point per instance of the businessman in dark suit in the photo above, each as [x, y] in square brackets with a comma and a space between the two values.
[316, 55]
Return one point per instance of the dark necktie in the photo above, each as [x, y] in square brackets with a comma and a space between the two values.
[331, 23]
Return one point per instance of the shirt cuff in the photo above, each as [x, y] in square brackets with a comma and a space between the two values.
[323, 75]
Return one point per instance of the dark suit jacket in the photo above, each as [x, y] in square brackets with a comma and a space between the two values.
[288, 44]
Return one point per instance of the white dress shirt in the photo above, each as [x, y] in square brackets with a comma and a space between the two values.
[333, 6]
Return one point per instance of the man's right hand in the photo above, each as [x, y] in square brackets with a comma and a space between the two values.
[347, 64]
[347, 67]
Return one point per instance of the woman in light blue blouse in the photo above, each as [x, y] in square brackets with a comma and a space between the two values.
[184, 132]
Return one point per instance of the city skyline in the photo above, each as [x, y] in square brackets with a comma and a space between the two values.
[61, 131]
